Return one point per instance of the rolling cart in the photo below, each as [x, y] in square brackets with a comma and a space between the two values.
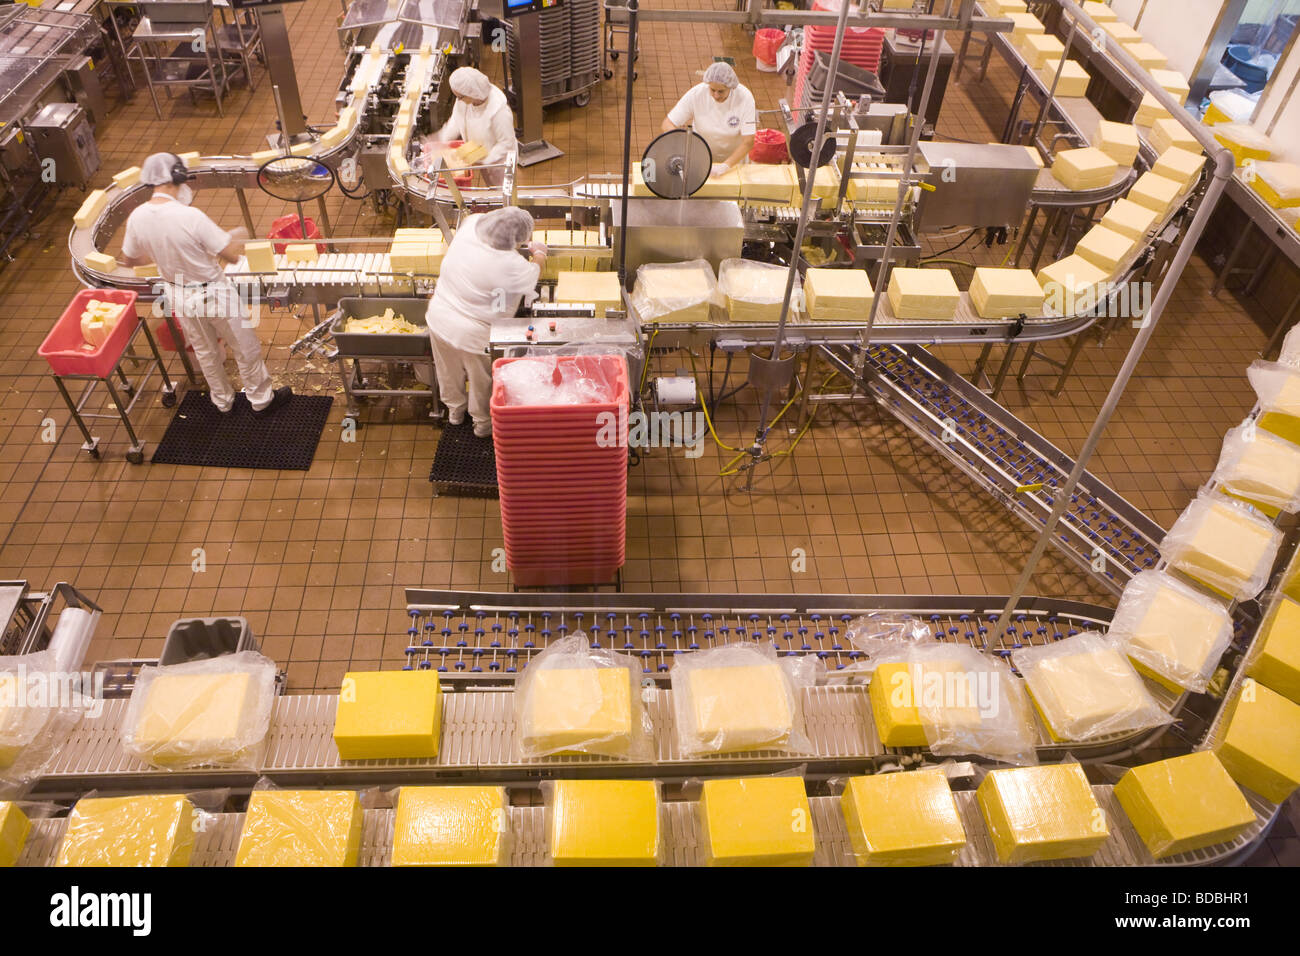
[71, 359]
[378, 348]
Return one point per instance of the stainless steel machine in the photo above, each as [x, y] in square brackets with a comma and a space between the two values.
[61, 136]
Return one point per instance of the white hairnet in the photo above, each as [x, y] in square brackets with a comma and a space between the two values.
[719, 73]
[506, 228]
[157, 169]
[467, 81]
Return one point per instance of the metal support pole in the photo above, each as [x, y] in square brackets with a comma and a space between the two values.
[632, 10]
[279, 64]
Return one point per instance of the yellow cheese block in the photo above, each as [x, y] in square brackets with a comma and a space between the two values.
[1276, 661]
[826, 188]
[388, 714]
[995, 8]
[298, 252]
[638, 184]
[1130, 219]
[451, 826]
[101, 262]
[408, 257]
[903, 819]
[1225, 548]
[605, 823]
[155, 830]
[14, 827]
[471, 153]
[601, 289]
[1184, 803]
[1167, 133]
[347, 117]
[774, 184]
[1119, 141]
[333, 136]
[1105, 248]
[923, 293]
[893, 706]
[266, 155]
[1042, 813]
[1121, 32]
[756, 821]
[905, 695]
[1277, 183]
[91, 208]
[1041, 48]
[586, 708]
[1071, 285]
[1025, 24]
[98, 321]
[1155, 192]
[676, 295]
[190, 159]
[754, 290]
[127, 178]
[1086, 168]
[1073, 81]
[19, 725]
[301, 828]
[1085, 695]
[260, 256]
[1181, 165]
[1245, 141]
[148, 271]
[739, 708]
[1100, 12]
[1148, 57]
[1173, 83]
[726, 186]
[1265, 471]
[1004, 293]
[1260, 745]
[837, 295]
[1214, 115]
[191, 718]
[1150, 111]
[1178, 639]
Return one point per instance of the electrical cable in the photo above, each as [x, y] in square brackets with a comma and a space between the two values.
[943, 252]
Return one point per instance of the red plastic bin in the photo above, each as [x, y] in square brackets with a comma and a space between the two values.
[610, 366]
[69, 354]
[554, 577]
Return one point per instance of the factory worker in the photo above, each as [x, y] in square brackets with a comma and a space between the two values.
[481, 115]
[189, 249]
[723, 112]
[482, 279]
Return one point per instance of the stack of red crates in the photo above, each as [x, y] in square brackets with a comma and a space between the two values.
[562, 480]
[861, 47]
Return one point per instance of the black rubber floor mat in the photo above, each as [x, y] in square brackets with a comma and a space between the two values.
[464, 464]
[285, 440]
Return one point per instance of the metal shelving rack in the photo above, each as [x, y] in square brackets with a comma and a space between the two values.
[570, 42]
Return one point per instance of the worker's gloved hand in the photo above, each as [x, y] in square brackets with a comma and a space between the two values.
[719, 169]
[537, 249]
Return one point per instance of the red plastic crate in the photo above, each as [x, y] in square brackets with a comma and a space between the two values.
[541, 476]
[556, 577]
[69, 354]
[593, 554]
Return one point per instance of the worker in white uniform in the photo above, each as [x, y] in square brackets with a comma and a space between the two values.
[481, 115]
[189, 249]
[722, 112]
[482, 280]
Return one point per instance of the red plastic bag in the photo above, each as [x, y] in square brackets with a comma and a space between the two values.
[769, 147]
[287, 227]
[766, 42]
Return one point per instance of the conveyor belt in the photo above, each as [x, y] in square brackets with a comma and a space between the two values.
[218, 837]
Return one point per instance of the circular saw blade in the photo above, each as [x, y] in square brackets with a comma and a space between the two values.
[676, 164]
[801, 146]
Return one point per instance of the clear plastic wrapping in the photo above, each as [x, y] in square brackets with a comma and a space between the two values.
[756, 821]
[603, 822]
[1290, 355]
[676, 292]
[1036, 814]
[452, 826]
[739, 697]
[1084, 687]
[15, 824]
[882, 632]
[551, 379]
[574, 698]
[212, 712]
[1172, 632]
[1260, 467]
[902, 819]
[755, 290]
[144, 830]
[39, 706]
[301, 828]
[1225, 544]
[1277, 386]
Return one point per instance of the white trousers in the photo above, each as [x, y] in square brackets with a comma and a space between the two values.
[457, 366]
[213, 312]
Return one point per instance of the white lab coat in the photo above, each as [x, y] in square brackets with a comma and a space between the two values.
[491, 125]
[722, 125]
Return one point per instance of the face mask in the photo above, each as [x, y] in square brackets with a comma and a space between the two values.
[184, 195]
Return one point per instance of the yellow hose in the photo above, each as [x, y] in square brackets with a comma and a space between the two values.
[645, 366]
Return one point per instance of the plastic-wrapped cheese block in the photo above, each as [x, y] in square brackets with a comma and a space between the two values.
[1275, 659]
[1167, 133]
[837, 295]
[1245, 141]
[675, 292]
[754, 290]
[1260, 742]
[761, 183]
[1073, 80]
[1105, 248]
[385, 715]
[923, 293]
[1148, 57]
[1121, 32]
[1155, 192]
[1278, 183]
[451, 826]
[1025, 24]
[127, 177]
[1043, 813]
[897, 692]
[726, 186]
[1084, 688]
[602, 289]
[903, 819]
[301, 828]
[91, 207]
[1119, 141]
[1277, 386]
[1184, 803]
[1130, 219]
[1071, 285]
[154, 830]
[1227, 546]
[1086, 168]
[1172, 633]
[14, 827]
[1172, 82]
[753, 821]
[101, 262]
[1040, 48]
[1260, 468]
[260, 256]
[1183, 166]
[604, 823]
[577, 709]
[296, 252]
[1150, 111]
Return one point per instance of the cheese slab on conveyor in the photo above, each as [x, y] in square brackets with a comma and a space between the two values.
[260, 256]
[755, 291]
[1035, 814]
[734, 709]
[301, 828]
[1119, 141]
[601, 289]
[1183, 166]
[826, 187]
[14, 827]
[127, 178]
[1071, 285]
[898, 691]
[1167, 133]
[1172, 633]
[297, 253]
[726, 186]
[91, 207]
[923, 293]
[1040, 48]
[995, 8]
[195, 718]
[1105, 248]
[1260, 468]
[567, 707]
[388, 715]
[604, 823]
[1150, 111]
[152, 830]
[1229, 548]
[1148, 57]
[1245, 141]
[1260, 741]
[1005, 293]
[837, 295]
[1156, 193]
[1120, 32]
[1083, 169]
[1184, 803]
[1275, 659]
[1130, 219]
[675, 292]
[1173, 83]
[451, 826]
[1099, 11]
[1073, 81]
[190, 159]
[753, 821]
[101, 261]
[762, 183]
[902, 819]
[1025, 24]
[1277, 183]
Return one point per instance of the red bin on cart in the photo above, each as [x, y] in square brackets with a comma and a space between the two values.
[68, 353]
